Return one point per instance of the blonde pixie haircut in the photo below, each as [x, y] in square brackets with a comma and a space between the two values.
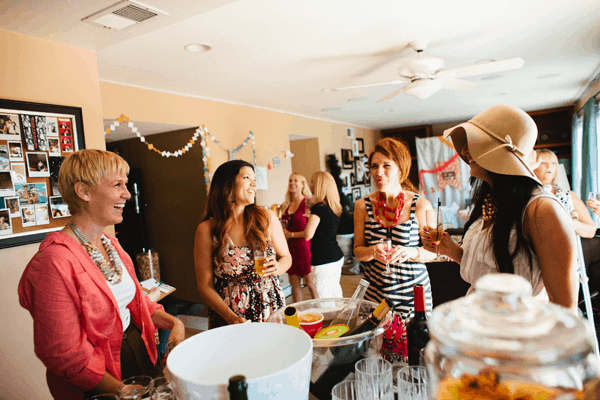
[87, 166]
[325, 191]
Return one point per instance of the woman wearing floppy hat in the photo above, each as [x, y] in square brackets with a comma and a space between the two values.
[515, 226]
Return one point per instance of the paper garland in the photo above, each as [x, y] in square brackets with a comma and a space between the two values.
[200, 132]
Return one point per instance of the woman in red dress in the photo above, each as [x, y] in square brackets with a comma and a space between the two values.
[296, 211]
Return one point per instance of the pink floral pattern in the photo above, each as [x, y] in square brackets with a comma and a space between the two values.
[394, 341]
[242, 289]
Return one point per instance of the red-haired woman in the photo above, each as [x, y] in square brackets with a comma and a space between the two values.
[393, 212]
[232, 228]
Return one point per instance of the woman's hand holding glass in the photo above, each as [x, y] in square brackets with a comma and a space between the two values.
[593, 203]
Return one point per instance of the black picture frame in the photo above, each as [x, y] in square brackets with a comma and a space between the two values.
[356, 194]
[367, 178]
[352, 179]
[347, 159]
[361, 145]
[23, 107]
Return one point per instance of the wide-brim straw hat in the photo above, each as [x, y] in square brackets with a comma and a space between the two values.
[499, 139]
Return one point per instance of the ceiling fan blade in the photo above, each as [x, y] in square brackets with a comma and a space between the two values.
[388, 56]
[403, 80]
[458, 84]
[393, 94]
[487, 68]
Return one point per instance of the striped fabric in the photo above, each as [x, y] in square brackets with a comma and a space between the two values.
[399, 286]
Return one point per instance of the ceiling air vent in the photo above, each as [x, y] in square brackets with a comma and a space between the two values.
[123, 15]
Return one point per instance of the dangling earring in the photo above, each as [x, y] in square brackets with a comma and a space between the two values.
[488, 209]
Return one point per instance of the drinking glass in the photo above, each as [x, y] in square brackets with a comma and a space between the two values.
[435, 223]
[161, 389]
[134, 388]
[387, 246]
[413, 383]
[595, 196]
[170, 346]
[345, 390]
[259, 261]
[374, 379]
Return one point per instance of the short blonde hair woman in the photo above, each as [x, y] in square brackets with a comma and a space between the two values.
[78, 276]
[296, 210]
[327, 257]
[546, 173]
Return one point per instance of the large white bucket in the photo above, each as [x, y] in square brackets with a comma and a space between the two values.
[275, 358]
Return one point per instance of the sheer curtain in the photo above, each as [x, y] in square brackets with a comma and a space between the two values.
[576, 154]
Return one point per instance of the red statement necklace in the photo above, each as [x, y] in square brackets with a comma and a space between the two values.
[382, 209]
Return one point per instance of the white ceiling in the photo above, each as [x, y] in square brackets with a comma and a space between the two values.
[280, 54]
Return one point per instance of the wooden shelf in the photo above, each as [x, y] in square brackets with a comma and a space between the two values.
[546, 145]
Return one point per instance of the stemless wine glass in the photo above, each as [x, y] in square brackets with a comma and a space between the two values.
[374, 379]
[387, 246]
[435, 223]
[134, 388]
[345, 390]
[413, 383]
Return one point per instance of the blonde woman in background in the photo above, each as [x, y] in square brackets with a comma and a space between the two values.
[327, 257]
[546, 173]
[296, 210]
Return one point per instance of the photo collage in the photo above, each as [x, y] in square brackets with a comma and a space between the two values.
[32, 147]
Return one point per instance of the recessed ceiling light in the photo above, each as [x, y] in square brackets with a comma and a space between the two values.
[547, 76]
[197, 48]
[330, 109]
[357, 99]
[492, 77]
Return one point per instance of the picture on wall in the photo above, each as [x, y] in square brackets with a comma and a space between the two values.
[355, 149]
[361, 145]
[359, 171]
[9, 127]
[58, 207]
[350, 133]
[37, 164]
[352, 179]
[12, 203]
[15, 151]
[356, 194]
[7, 187]
[346, 188]
[19, 174]
[4, 161]
[347, 159]
[36, 137]
[5, 222]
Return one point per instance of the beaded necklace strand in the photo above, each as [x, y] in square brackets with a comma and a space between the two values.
[488, 208]
[382, 209]
[113, 270]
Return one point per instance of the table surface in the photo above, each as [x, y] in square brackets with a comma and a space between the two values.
[162, 294]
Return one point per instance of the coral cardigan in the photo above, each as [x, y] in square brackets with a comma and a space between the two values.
[77, 326]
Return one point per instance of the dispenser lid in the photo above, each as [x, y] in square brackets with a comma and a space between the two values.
[502, 320]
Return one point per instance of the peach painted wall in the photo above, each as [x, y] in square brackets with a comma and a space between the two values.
[38, 71]
[230, 124]
[592, 91]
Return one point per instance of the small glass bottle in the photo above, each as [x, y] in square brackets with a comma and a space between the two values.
[349, 313]
[238, 388]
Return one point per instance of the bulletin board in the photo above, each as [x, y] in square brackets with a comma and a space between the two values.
[34, 140]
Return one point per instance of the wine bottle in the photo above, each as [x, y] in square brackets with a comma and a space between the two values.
[238, 388]
[291, 316]
[374, 319]
[417, 333]
[349, 313]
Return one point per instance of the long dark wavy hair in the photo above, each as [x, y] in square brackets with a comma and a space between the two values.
[511, 194]
[219, 209]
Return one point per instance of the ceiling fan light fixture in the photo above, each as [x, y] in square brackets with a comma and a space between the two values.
[422, 88]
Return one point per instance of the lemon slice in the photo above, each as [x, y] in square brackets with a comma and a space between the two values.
[332, 331]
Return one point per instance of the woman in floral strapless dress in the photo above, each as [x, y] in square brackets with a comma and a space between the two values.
[231, 230]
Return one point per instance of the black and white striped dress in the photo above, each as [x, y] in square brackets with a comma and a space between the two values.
[399, 286]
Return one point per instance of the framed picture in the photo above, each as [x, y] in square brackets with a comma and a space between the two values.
[355, 149]
[347, 159]
[346, 188]
[361, 145]
[352, 179]
[37, 137]
[356, 194]
[350, 133]
[359, 172]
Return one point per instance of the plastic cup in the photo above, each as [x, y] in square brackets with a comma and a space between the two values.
[311, 322]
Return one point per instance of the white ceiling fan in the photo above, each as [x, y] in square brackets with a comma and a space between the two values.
[426, 75]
